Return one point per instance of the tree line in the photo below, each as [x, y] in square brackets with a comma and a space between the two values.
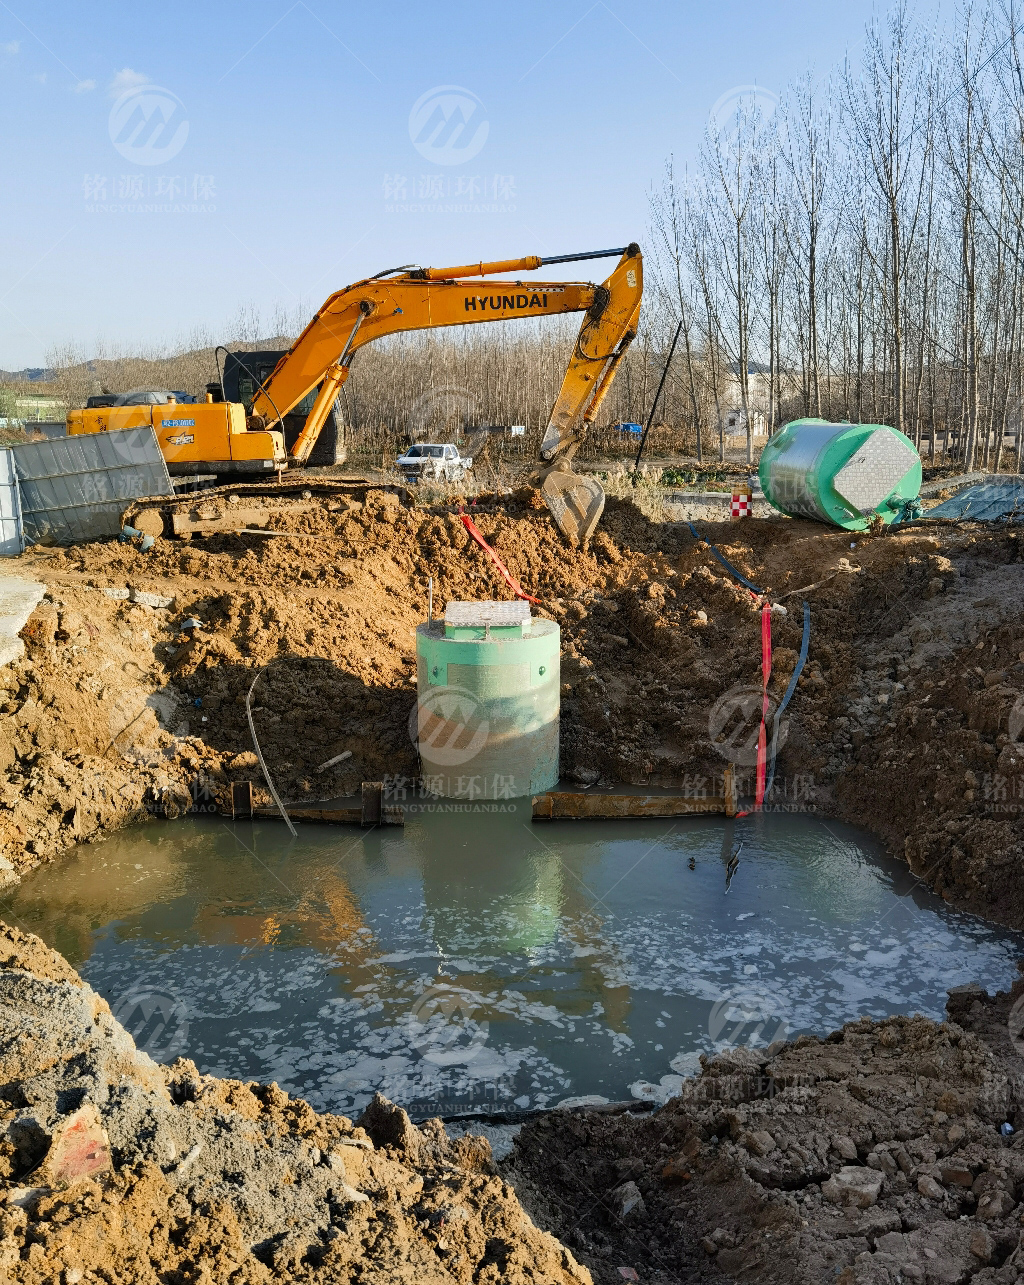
[855, 249]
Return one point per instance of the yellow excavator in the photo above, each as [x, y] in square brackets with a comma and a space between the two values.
[218, 437]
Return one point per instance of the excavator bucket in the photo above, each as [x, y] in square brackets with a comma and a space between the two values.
[576, 503]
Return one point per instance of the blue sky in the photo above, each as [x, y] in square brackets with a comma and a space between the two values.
[166, 165]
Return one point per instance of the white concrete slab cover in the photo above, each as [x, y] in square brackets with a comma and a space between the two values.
[478, 614]
[18, 599]
[875, 470]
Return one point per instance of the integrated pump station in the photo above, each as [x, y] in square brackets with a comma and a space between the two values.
[488, 680]
[848, 475]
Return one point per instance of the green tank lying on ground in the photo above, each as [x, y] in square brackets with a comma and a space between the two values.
[844, 474]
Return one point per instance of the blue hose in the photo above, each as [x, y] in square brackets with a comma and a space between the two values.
[801, 660]
[728, 565]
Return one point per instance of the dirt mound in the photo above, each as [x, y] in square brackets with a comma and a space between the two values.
[215, 1180]
[93, 737]
[871, 1157]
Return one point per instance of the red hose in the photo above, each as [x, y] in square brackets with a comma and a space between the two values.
[513, 583]
[762, 735]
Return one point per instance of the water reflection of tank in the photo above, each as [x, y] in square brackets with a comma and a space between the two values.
[519, 901]
[530, 896]
[489, 888]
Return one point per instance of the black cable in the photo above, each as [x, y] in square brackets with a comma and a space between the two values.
[585, 356]
[728, 565]
[657, 395]
[801, 660]
[254, 378]
[406, 267]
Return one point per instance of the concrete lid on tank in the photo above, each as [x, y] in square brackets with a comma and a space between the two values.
[465, 619]
[875, 470]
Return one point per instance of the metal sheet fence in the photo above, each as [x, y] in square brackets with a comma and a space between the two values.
[12, 537]
[76, 488]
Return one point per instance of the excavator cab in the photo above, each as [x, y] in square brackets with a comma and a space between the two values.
[244, 375]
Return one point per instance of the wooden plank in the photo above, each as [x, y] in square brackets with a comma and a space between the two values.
[241, 800]
[328, 815]
[609, 807]
[373, 803]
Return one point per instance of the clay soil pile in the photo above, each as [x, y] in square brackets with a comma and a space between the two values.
[204, 1180]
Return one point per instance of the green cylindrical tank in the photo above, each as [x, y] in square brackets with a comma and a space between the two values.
[486, 717]
[842, 474]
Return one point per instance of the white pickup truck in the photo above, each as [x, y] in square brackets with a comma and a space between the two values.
[434, 462]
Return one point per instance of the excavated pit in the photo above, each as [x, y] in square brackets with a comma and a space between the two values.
[906, 720]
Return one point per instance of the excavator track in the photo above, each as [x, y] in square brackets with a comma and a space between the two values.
[218, 509]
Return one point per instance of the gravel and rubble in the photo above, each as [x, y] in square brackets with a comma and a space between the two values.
[876, 1155]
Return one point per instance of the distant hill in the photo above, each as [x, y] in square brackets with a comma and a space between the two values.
[30, 375]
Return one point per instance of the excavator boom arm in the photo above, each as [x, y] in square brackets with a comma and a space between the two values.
[430, 297]
[422, 298]
[384, 308]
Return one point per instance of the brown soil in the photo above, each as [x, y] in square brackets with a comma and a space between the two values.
[92, 737]
[871, 1157]
[215, 1181]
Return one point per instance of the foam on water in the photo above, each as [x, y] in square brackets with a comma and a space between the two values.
[481, 963]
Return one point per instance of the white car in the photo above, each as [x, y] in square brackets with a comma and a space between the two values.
[433, 461]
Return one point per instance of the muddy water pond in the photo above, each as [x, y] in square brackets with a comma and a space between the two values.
[482, 963]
